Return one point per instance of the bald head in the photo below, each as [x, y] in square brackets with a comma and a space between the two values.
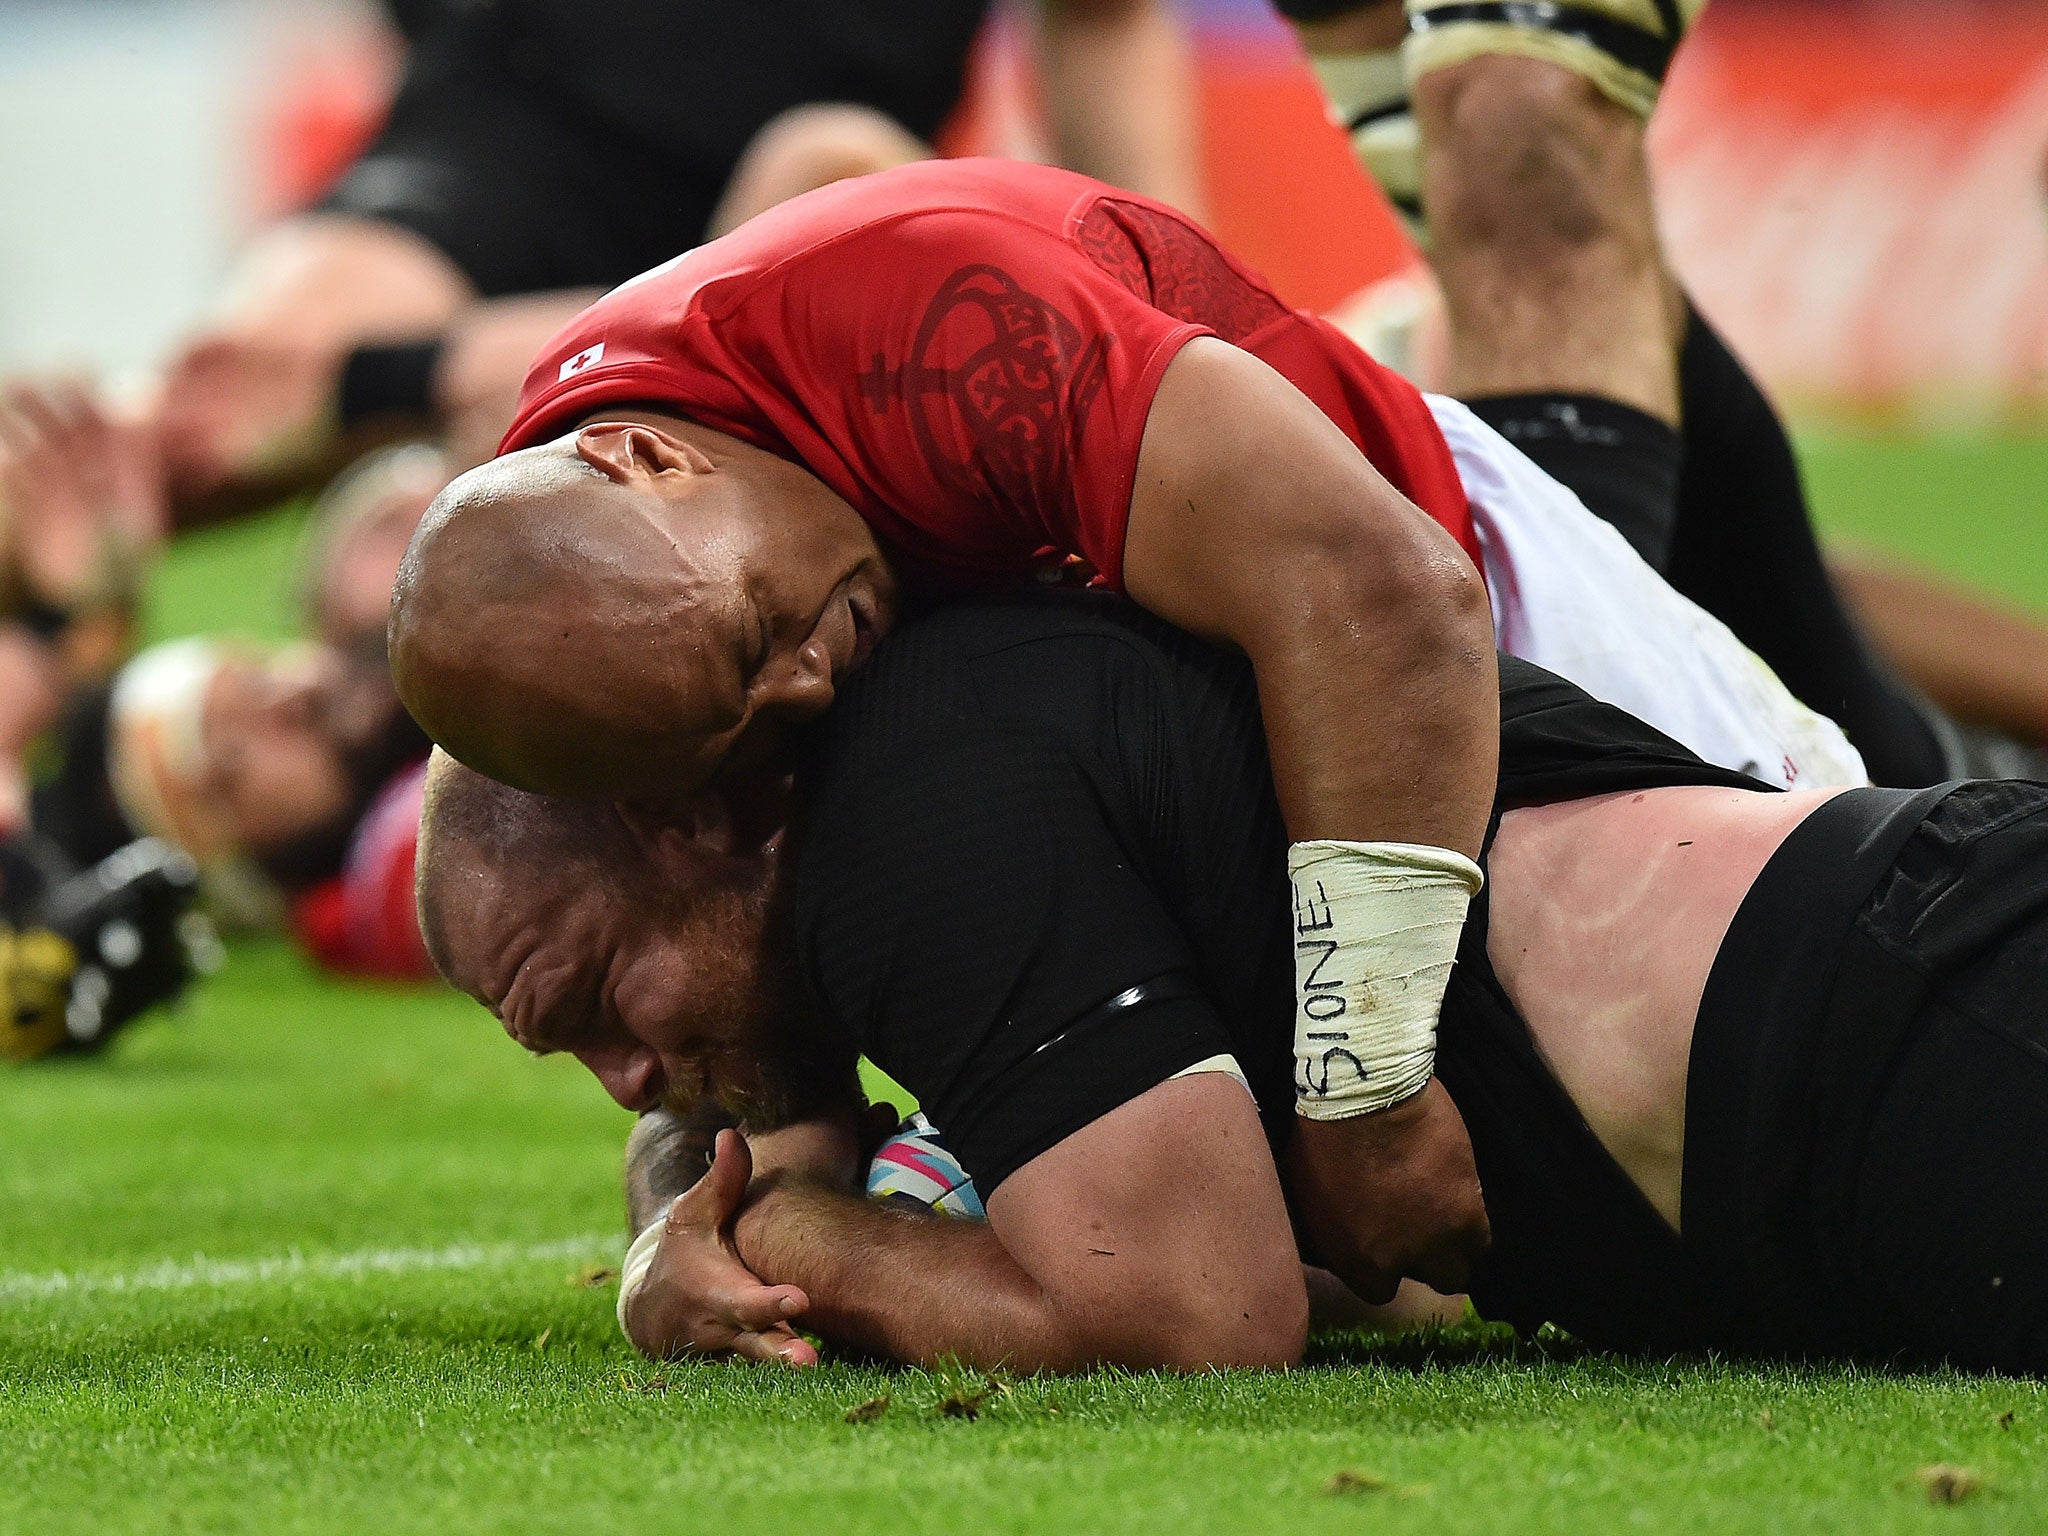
[609, 613]
[491, 856]
[651, 957]
[542, 619]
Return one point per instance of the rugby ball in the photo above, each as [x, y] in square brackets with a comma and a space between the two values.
[914, 1167]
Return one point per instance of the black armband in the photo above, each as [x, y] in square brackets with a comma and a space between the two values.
[389, 379]
[46, 621]
[1316, 10]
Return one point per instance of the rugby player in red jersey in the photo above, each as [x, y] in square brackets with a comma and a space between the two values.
[973, 373]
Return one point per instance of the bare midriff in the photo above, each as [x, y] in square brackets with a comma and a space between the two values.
[1606, 917]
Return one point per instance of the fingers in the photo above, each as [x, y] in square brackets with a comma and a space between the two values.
[780, 1345]
[23, 432]
[56, 424]
[766, 1307]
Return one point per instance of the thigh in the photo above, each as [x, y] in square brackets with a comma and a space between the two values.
[1743, 547]
[1570, 595]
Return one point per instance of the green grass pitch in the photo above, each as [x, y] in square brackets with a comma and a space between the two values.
[316, 1257]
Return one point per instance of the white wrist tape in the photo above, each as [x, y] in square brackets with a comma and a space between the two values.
[1376, 929]
[640, 1258]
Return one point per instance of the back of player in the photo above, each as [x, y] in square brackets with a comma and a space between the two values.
[966, 351]
[1044, 872]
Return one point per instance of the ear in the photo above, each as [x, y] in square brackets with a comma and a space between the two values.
[628, 451]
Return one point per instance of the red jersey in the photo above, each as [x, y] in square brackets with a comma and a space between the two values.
[364, 921]
[966, 351]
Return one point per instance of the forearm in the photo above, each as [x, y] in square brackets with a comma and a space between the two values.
[1381, 708]
[1256, 521]
[1120, 96]
[903, 1285]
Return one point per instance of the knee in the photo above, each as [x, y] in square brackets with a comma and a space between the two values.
[1528, 155]
[808, 147]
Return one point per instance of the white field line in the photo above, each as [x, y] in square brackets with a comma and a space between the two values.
[202, 1273]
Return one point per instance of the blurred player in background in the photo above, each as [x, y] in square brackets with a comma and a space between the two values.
[534, 147]
[285, 780]
[291, 775]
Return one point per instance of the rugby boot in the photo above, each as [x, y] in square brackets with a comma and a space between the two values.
[100, 948]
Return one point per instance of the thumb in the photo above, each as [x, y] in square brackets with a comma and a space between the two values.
[726, 1180]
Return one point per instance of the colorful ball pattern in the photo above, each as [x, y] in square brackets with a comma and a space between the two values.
[914, 1167]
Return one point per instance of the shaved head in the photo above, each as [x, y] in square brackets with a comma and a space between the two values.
[480, 841]
[657, 960]
[537, 614]
[613, 613]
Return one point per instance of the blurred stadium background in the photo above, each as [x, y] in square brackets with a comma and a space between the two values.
[387, 1327]
[1855, 188]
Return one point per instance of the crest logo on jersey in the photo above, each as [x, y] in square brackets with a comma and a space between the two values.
[999, 385]
[589, 357]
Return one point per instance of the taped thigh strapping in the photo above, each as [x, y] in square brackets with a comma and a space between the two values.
[1623, 47]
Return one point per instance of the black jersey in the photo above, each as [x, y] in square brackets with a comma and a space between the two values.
[1043, 869]
[546, 144]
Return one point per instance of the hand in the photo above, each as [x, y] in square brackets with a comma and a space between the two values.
[1391, 1194]
[699, 1299]
[82, 494]
[234, 405]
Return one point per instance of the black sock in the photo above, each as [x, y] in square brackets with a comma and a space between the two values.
[1623, 463]
[1744, 549]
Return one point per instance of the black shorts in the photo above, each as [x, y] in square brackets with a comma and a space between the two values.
[1866, 1167]
[510, 183]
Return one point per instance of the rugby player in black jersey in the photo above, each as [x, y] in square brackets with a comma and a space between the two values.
[1742, 1069]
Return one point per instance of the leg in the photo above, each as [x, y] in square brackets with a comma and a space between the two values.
[1529, 161]
[1355, 50]
[1566, 329]
[1984, 663]
[1723, 514]
[1539, 207]
[1529, 164]
[809, 147]
[1744, 549]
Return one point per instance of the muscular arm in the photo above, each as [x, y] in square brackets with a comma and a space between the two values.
[1119, 96]
[1256, 521]
[1155, 1237]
